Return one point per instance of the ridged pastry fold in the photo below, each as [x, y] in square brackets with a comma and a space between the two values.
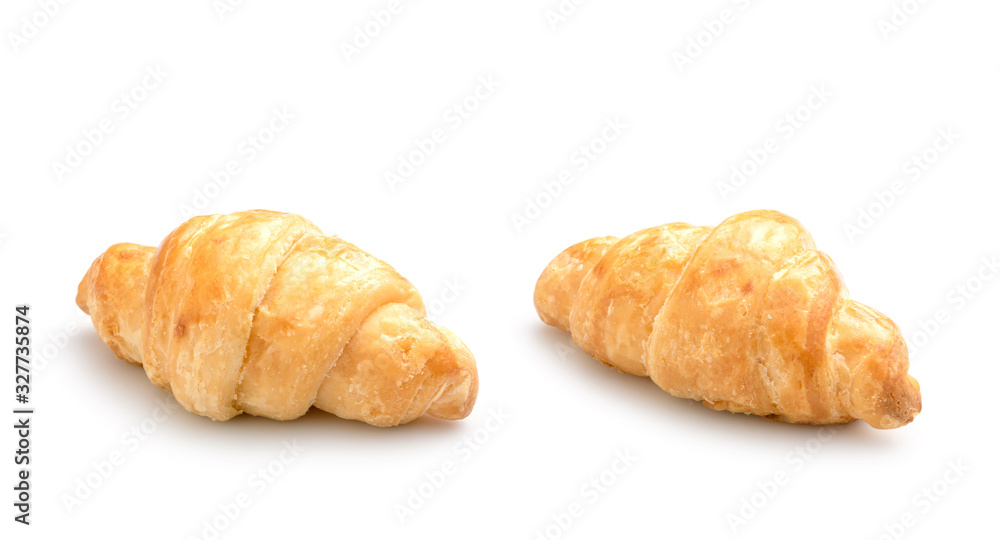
[259, 312]
[747, 316]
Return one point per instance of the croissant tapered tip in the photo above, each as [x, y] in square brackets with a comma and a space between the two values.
[904, 407]
[883, 393]
[83, 289]
[459, 397]
[559, 283]
[457, 401]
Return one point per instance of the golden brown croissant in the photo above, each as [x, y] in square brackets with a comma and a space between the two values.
[747, 317]
[258, 312]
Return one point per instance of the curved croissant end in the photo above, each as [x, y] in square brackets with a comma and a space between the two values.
[746, 317]
[258, 312]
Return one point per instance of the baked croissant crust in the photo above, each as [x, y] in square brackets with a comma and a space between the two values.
[259, 312]
[746, 317]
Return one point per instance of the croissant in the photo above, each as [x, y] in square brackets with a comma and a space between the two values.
[746, 317]
[258, 312]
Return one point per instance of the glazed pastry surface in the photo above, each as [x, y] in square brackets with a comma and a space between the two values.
[259, 312]
[746, 317]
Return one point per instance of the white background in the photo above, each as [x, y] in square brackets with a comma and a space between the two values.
[567, 415]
